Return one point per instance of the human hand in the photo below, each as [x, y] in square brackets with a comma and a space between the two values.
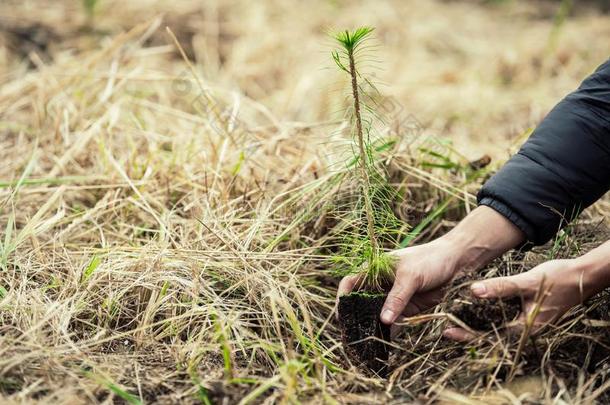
[420, 272]
[566, 283]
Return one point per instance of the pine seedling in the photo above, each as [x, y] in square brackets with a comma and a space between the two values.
[373, 225]
[365, 248]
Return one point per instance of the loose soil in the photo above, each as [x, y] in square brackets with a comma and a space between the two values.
[362, 331]
[482, 314]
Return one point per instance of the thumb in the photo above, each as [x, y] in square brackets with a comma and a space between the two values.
[397, 300]
[498, 287]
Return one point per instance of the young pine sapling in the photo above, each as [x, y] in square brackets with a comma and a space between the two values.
[359, 311]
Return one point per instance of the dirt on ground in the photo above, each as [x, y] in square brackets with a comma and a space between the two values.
[363, 333]
[479, 313]
[166, 227]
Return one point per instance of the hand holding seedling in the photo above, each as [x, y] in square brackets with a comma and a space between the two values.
[416, 288]
[422, 271]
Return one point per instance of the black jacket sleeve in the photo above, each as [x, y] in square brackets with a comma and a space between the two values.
[563, 167]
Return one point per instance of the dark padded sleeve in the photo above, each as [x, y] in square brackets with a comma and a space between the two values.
[563, 167]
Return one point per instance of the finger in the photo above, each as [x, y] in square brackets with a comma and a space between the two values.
[498, 287]
[411, 309]
[517, 327]
[397, 300]
[544, 319]
[545, 316]
[423, 301]
[347, 284]
[396, 329]
[458, 334]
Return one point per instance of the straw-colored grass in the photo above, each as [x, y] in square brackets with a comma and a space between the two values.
[166, 226]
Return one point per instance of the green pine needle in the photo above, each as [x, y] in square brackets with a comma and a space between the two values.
[351, 40]
[370, 225]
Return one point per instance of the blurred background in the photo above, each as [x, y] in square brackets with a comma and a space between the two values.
[479, 73]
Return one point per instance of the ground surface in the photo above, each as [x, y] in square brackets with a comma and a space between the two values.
[166, 228]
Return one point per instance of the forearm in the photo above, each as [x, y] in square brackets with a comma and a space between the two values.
[480, 237]
[593, 269]
[563, 167]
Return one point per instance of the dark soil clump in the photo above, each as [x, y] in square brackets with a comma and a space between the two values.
[362, 331]
[483, 314]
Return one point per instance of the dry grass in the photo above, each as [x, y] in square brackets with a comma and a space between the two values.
[165, 231]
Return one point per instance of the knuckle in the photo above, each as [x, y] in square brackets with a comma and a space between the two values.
[503, 287]
[395, 300]
[418, 279]
[500, 286]
[406, 274]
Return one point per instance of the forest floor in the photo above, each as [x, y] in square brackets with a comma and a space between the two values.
[166, 223]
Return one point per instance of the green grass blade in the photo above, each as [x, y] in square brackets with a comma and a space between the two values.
[439, 210]
[128, 397]
[91, 267]
[6, 248]
[120, 392]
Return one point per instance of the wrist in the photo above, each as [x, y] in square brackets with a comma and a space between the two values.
[592, 270]
[469, 251]
[481, 237]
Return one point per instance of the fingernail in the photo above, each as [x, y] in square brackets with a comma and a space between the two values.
[387, 316]
[478, 289]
